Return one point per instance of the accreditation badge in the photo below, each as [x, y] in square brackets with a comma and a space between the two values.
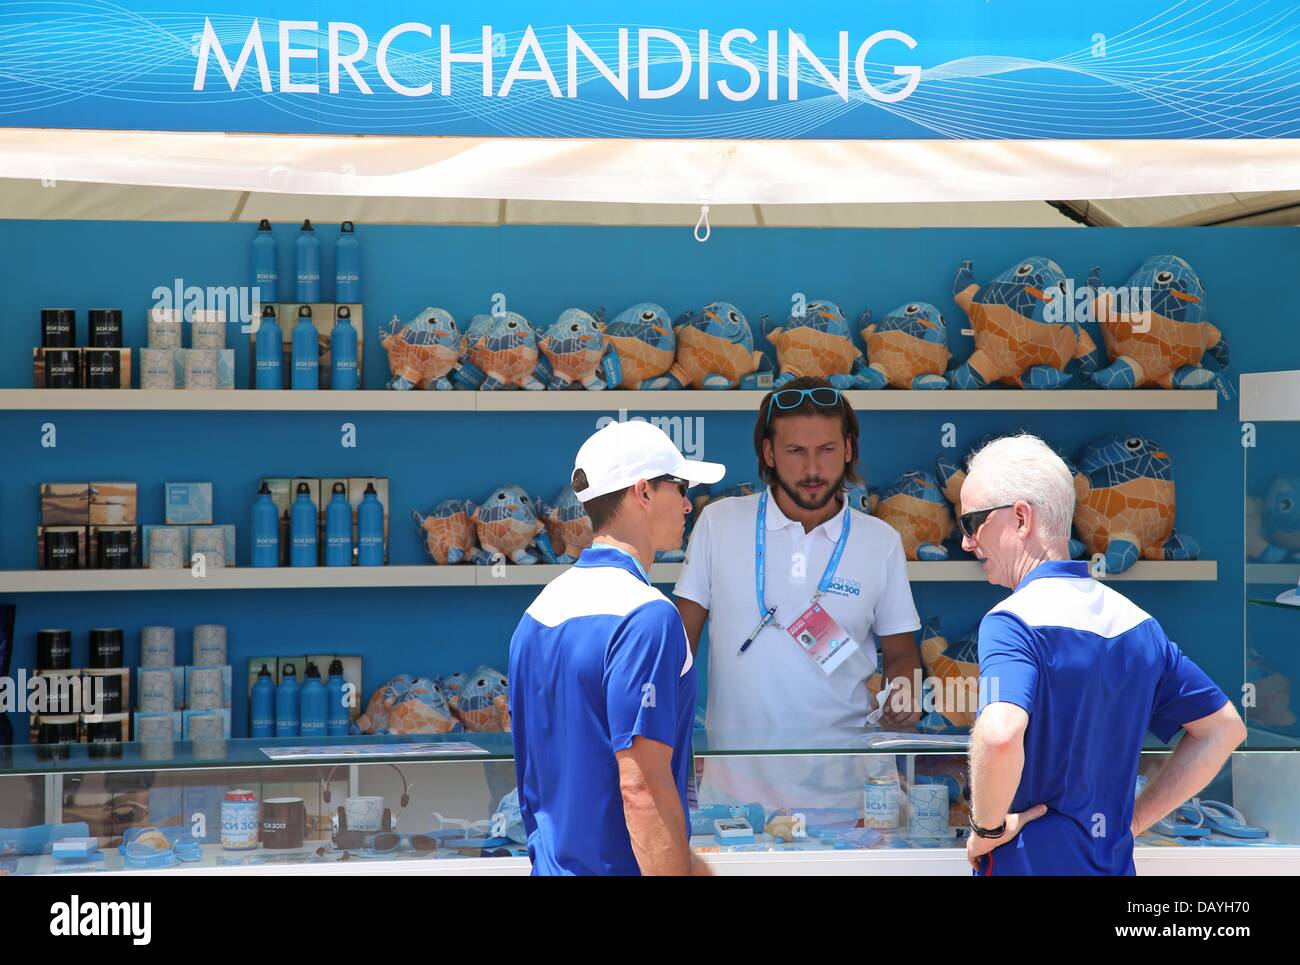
[824, 640]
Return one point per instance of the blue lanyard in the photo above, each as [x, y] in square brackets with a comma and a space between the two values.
[760, 558]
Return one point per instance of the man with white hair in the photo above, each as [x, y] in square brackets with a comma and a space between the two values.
[1072, 676]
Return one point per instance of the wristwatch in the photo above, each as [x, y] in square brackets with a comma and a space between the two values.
[992, 833]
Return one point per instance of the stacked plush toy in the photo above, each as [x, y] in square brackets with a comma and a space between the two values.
[482, 703]
[503, 349]
[422, 705]
[575, 348]
[815, 340]
[505, 526]
[449, 532]
[908, 349]
[914, 505]
[643, 336]
[955, 671]
[1273, 523]
[715, 350]
[423, 353]
[567, 524]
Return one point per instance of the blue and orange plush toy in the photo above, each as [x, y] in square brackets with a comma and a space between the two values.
[504, 348]
[715, 350]
[915, 506]
[567, 524]
[574, 347]
[1162, 342]
[1021, 337]
[425, 351]
[449, 533]
[506, 523]
[643, 336]
[816, 341]
[908, 349]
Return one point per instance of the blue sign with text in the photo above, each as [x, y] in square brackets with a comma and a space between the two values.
[957, 69]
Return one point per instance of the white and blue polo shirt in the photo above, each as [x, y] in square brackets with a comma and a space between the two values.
[1095, 673]
[599, 658]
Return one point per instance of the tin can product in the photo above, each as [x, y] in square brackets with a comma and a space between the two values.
[57, 735]
[166, 549]
[103, 368]
[157, 368]
[110, 690]
[157, 689]
[105, 735]
[239, 820]
[62, 368]
[209, 645]
[929, 804]
[114, 548]
[58, 327]
[164, 328]
[880, 804]
[211, 542]
[53, 649]
[205, 689]
[158, 647]
[201, 368]
[105, 648]
[105, 328]
[62, 548]
[208, 329]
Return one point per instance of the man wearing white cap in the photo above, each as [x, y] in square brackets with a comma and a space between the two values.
[602, 682]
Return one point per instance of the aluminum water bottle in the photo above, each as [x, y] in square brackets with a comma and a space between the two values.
[286, 704]
[302, 529]
[266, 275]
[266, 529]
[305, 352]
[269, 357]
[311, 701]
[370, 529]
[338, 528]
[307, 262]
[336, 708]
[347, 265]
[263, 700]
[343, 351]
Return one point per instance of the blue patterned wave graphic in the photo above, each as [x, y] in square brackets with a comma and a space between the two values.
[1190, 69]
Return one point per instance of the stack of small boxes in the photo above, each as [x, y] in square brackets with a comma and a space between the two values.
[186, 702]
[88, 525]
[102, 364]
[189, 529]
[283, 490]
[323, 317]
[206, 364]
[79, 704]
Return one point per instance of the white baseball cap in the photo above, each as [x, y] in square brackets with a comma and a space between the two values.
[624, 453]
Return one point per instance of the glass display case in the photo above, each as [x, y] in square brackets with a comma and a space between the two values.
[865, 802]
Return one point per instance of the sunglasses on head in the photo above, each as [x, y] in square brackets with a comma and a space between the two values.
[970, 523]
[681, 484]
[822, 397]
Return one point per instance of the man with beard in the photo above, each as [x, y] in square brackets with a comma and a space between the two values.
[793, 624]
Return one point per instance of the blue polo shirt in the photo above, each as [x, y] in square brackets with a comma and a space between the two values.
[1094, 673]
[598, 659]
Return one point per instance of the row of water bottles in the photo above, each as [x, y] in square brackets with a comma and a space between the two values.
[307, 288]
[304, 527]
[313, 709]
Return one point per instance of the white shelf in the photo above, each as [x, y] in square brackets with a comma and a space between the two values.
[1270, 397]
[380, 400]
[1287, 574]
[360, 577]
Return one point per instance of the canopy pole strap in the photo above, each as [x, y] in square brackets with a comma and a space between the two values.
[703, 223]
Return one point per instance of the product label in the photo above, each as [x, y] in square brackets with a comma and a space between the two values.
[305, 363]
[345, 364]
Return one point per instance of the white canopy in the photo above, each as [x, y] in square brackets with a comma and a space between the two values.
[232, 177]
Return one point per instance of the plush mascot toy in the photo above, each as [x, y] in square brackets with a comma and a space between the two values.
[504, 348]
[908, 349]
[1025, 333]
[914, 505]
[1126, 503]
[483, 703]
[646, 344]
[574, 347]
[449, 531]
[956, 671]
[1273, 523]
[567, 524]
[408, 705]
[1161, 341]
[715, 349]
[507, 523]
[422, 353]
[817, 341]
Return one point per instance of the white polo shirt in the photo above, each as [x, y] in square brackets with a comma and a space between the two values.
[775, 687]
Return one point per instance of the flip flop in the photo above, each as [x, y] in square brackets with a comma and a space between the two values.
[1226, 819]
[1184, 828]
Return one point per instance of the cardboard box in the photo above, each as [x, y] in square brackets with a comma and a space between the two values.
[226, 678]
[124, 367]
[65, 504]
[356, 491]
[174, 718]
[146, 529]
[230, 530]
[188, 503]
[225, 371]
[38, 366]
[113, 504]
[323, 315]
[93, 549]
[187, 722]
[82, 544]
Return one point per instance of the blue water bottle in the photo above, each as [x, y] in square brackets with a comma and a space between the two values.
[336, 706]
[338, 528]
[308, 264]
[269, 357]
[302, 529]
[306, 352]
[370, 529]
[263, 700]
[286, 704]
[347, 265]
[266, 529]
[343, 351]
[266, 274]
[312, 699]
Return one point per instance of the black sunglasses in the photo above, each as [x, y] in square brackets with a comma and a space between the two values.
[822, 396]
[681, 484]
[970, 523]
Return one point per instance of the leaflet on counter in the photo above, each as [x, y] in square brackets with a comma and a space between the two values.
[453, 748]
